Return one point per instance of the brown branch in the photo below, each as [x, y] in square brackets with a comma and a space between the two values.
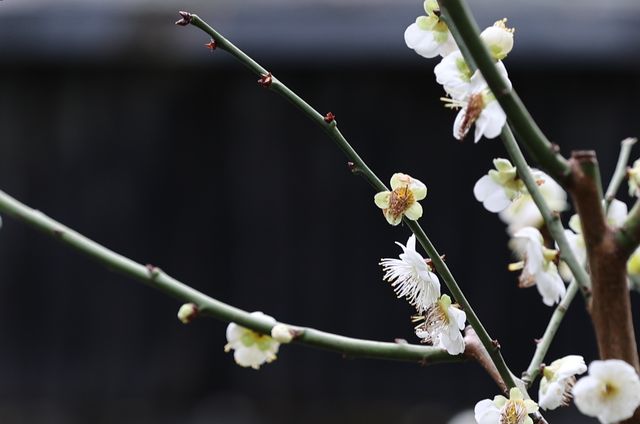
[474, 349]
[610, 304]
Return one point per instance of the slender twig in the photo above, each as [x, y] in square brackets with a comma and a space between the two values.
[620, 172]
[544, 343]
[208, 306]
[519, 118]
[331, 128]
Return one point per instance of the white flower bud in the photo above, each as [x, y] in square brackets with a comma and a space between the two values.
[282, 333]
[187, 313]
[499, 39]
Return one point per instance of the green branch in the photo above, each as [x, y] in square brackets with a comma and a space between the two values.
[544, 343]
[360, 167]
[207, 306]
[620, 172]
[519, 118]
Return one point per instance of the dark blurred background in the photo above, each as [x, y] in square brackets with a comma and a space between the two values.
[124, 127]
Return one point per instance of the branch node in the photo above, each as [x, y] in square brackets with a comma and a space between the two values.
[185, 19]
[266, 80]
[153, 271]
[329, 118]
[353, 168]
[211, 45]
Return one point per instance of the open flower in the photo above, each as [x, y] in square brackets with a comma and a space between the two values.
[429, 35]
[499, 187]
[610, 392]
[479, 107]
[499, 39]
[402, 200]
[441, 326]
[411, 277]
[523, 211]
[538, 266]
[501, 410]
[557, 380]
[251, 349]
[454, 75]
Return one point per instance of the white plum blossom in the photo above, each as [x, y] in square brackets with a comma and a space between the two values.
[251, 349]
[429, 35]
[441, 326]
[411, 277]
[501, 410]
[402, 200]
[610, 392]
[538, 267]
[499, 39]
[499, 187]
[523, 212]
[454, 75]
[479, 107]
[557, 380]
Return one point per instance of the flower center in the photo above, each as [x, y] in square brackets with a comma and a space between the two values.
[435, 320]
[513, 412]
[401, 199]
[609, 390]
[473, 111]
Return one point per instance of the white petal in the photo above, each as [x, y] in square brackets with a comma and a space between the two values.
[492, 120]
[457, 125]
[550, 286]
[498, 201]
[423, 42]
[250, 357]
[486, 412]
[484, 187]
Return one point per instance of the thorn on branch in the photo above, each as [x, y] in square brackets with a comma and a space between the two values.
[211, 45]
[400, 341]
[266, 80]
[329, 118]
[495, 344]
[555, 148]
[185, 19]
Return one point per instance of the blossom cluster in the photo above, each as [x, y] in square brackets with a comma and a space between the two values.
[466, 89]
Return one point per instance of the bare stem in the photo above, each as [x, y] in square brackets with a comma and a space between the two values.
[208, 306]
[331, 129]
[544, 343]
[621, 170]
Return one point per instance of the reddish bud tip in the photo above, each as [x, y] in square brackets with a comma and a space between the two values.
[266, 80]
[185, 18]
[329, 118]
[211, 45]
